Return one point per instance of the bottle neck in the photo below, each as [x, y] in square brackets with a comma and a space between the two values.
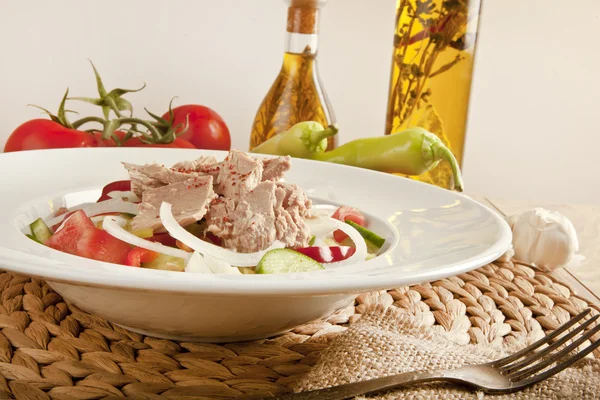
[302, 36]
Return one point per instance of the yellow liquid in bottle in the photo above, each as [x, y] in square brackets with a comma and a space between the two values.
[432, 65]
[296, 95]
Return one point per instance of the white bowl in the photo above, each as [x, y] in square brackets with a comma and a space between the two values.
[431, 234]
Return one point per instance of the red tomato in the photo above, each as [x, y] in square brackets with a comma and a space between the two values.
[206, 129]
[178, 143]
[347, 213]
[214, 239]
[138, 255]
[324, 254]
[40, 134]
[163, 238]
[61, 211]
[80, 237]
[71, 232]
[117, 186]
[102, 246]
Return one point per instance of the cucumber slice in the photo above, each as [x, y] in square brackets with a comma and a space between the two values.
[282, 261]
[369, 236]
[40, 230]
[30, 236]
[166, 263]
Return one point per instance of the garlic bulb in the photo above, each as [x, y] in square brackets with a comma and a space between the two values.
[544, 238]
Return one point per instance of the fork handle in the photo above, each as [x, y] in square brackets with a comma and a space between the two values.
[370, 386]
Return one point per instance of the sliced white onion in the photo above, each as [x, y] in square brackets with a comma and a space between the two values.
[359, 242]
[219, 266]
[199, 245]
[320, 226]
[127, 195]
[91, 209]
[99, 218]
[209, 265]
[197, 265]
[111, 226]
[322, 210]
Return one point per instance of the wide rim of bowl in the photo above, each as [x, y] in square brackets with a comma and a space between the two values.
[80, 271]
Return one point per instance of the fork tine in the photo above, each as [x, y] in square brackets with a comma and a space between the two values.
[539, 354]
[560, 366]
[542, 341]
[555, 357]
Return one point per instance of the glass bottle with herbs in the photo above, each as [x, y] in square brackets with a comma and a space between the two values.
[430, 83]
[297, 94]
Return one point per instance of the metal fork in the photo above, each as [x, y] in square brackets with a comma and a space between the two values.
[509, 374]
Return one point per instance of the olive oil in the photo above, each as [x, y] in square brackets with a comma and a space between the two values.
[432, 65]
[297, 93]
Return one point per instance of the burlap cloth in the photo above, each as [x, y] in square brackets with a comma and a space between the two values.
[388, 340]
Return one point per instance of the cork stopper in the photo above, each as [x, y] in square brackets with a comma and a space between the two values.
[303, 16]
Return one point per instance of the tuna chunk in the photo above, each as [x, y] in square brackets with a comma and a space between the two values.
[204, 165]
[150, 176]
[238, 173]
[294, 198]
[254, 207]
[190, 200]
[274, 168]
[259, 218]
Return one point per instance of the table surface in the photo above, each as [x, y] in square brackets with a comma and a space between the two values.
[584, 278]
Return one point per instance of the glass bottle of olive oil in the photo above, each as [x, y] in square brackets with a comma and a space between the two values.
[297, 94]
[430, 83]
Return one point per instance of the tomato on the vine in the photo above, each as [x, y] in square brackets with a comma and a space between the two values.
[38, 134]
[205, 128]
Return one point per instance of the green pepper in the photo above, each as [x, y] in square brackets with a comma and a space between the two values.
[303, 140]
[413, 151]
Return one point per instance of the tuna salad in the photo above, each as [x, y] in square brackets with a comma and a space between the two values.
[233, 216]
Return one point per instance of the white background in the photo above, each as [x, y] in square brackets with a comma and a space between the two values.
[533, 130]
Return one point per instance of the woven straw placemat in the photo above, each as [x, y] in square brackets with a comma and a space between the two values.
[49, 349]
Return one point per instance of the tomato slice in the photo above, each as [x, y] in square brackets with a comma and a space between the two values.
[79, 236]
[71, 232]
[163, 238]
[138, 255]
[214, 239]
[117, 186]
[344, 213]
[102, 246]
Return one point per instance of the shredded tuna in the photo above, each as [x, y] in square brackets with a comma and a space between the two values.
[190, 200]
[238, 173]
[275, 168]
[259, 218]
[150, 176]
[204, 165]
[242, 199]
[294, 199]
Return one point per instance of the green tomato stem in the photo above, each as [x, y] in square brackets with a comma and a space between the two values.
[113, 106]
[156, 135]
[86, 120]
